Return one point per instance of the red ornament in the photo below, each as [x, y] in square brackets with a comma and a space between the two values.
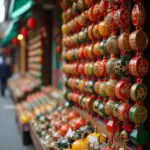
[64, 129]
[80, 123]
[32, 23]
[15, 41]
[24, 32]
[73, 115]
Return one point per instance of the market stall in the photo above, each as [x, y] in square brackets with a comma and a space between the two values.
[103, 101]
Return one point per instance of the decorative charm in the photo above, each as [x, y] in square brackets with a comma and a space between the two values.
[138, 92]
[112, 45]
[123, 42]
[121, 66]
[138, 40]
[138, 15]
[123, 112]
[96, 105]
[138, 114]
[104, 29]
[122, 90]
[138, 66]
[109, 107]
[110, 87]
[110, 67]
[97, 87]
[121, 17]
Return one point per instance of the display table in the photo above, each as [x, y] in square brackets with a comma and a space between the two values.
[24, 130]
[36, 141]
[101, 127]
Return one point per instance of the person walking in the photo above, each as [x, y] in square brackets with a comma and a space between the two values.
[5, 73]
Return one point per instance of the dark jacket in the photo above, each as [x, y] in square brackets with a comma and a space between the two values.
[5, 71]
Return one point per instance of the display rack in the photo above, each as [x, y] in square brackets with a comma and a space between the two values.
[35, 56]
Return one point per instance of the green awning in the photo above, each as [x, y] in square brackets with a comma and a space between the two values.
[11, 32]
[19, 7]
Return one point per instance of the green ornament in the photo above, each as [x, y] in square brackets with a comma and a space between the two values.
[139, 136]
[96, 105]
[138, 114]
[91, 86]
[101, 110]
[115, 108]
[121, 67]
[103, 50]
[102, 89]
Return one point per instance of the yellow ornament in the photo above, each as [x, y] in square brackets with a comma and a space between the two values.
[79, 145]
[24, 119]
[104, 29]
[96, 135]
[64, 29]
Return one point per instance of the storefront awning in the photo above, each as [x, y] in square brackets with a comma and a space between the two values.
[19, 7]
[10, 33]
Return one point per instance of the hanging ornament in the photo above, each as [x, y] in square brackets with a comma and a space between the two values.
[110, 66]
[15, 41]
[97, 87]
[99, 68]
[81, 5]
[138, 114]
[138, 92]
[102, 89]
[122, 90]
[24, 32]
[138, 40]
[109, 107]
[110, 21]
[123, 112]
[110, 87]
[32, 22]
[96, 105]
[99, 49]
[121, 18]
[112, 45]
[89, 103]
[115, 108]
[138, 66]
[104, 29]
[123, 42]
[90, 87]
[139, 135]
[138, 15]
[95, 32]
[83, 19]
[101, 110]
[121, 66]
[90, 2]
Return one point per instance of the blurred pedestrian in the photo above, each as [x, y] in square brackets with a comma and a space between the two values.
[5, 73]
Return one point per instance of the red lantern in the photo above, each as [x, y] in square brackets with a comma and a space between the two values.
[32, 22]
[24, 31]
[15, 41]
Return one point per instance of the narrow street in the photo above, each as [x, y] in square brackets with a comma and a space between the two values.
[10, 138]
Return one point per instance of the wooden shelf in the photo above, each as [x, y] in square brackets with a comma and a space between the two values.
[35, 138]
[101, 127]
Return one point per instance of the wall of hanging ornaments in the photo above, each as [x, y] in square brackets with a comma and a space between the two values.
[103, 52]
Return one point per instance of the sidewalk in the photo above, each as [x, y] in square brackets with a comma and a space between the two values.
[9, 134]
